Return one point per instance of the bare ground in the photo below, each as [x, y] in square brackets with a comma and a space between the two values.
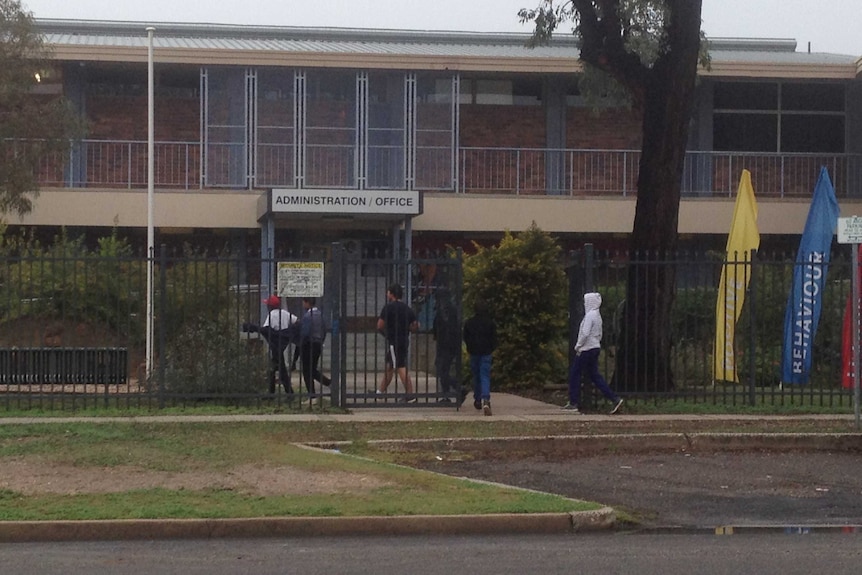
[32, 476]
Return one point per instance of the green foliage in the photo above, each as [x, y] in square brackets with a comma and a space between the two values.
[35, 131]
[523, 283]
[66, 280]
[105, 288]
[197, 290]
[768, 295]
[643, 27]
[204, 354]
[210, 359]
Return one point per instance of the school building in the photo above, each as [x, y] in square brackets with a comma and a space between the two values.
[282, 136]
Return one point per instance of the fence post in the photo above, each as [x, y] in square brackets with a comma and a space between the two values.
[458, 297]
[589, 264]
[163, 302]
[576, 273]
[752, 343]
[336, 387]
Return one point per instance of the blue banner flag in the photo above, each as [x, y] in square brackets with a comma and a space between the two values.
[809, 277]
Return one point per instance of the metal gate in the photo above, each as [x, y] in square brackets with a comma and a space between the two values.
[357, 350]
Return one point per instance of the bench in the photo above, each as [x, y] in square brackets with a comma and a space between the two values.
[64, 365]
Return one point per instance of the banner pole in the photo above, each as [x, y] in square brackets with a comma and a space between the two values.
[854, 282]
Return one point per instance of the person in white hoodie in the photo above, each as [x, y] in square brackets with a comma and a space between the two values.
[587, 350]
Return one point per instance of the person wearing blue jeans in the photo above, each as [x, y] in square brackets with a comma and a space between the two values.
[587, 350]
[480, 337]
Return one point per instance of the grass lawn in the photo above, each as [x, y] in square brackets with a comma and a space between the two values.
[217, 470]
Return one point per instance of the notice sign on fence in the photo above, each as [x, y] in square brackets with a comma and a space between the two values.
[850, 230]
[300, 279]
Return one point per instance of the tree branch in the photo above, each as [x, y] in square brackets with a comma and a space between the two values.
[603, 45]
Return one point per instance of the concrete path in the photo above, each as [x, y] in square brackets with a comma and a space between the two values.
[506, 407]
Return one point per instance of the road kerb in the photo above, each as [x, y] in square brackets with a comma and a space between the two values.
[152, 529]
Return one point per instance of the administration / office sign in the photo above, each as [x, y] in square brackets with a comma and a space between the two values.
[401, 202]
[850, 230]
[300, 279]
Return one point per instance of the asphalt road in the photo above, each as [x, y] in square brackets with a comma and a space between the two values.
[692, 489]
[605, 554]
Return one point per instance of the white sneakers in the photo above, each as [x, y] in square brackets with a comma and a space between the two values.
[572, 408]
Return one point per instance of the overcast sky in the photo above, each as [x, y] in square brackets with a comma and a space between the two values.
[831, 26]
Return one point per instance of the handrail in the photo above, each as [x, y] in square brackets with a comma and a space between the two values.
[93, 163]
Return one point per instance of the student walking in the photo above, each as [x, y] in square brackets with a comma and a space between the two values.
[587, 351]
[447, 336]
[279, 329]
[480, 337]
[396, 322]
[312, 334]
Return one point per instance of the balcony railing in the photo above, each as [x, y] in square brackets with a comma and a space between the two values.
[507, 171]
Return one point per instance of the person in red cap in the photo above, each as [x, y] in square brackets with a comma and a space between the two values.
[279, 329]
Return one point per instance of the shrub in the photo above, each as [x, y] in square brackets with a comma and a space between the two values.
[523, 283]
[211, 360]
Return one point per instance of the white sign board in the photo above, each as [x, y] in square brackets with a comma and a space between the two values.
[850, 230]
[300, 279]
[402, 202]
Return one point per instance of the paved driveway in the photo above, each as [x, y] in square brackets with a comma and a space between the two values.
[694, 490]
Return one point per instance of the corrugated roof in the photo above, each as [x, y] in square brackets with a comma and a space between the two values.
[369, 46]
[80, 36]
[291, 39]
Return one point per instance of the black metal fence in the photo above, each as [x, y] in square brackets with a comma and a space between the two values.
[58, 305]
[756, 339]
[63, 303]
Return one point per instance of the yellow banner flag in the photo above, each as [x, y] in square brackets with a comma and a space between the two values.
[744, 238]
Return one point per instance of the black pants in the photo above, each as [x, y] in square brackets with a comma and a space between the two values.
[309, 355]
[443, 363]
[278, 341]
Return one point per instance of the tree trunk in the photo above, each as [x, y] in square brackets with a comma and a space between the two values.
[643, 360]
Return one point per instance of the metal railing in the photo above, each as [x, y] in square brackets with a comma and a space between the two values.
[758, 334]
[72, 331]
[507, 171]
[57, 302]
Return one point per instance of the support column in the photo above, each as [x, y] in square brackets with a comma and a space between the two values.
[267, 258]
[555, 141]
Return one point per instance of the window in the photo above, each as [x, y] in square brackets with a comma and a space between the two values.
[779, 117]
[813, 97]
[746, 96]
[524, 91]
[812, 133]
[745, 132]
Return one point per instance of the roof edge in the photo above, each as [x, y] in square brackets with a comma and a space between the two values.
[204, 29]
[212, 30]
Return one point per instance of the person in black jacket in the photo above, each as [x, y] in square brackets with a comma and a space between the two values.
[312, 334]
[480, 336]
[447, 335]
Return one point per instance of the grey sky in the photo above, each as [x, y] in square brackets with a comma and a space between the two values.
[836, 29]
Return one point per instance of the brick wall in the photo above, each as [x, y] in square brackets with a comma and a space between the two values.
[502, 126]
[487, 126]
[606, 129]
[123, 117]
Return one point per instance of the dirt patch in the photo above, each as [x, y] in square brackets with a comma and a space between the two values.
[30, 476]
